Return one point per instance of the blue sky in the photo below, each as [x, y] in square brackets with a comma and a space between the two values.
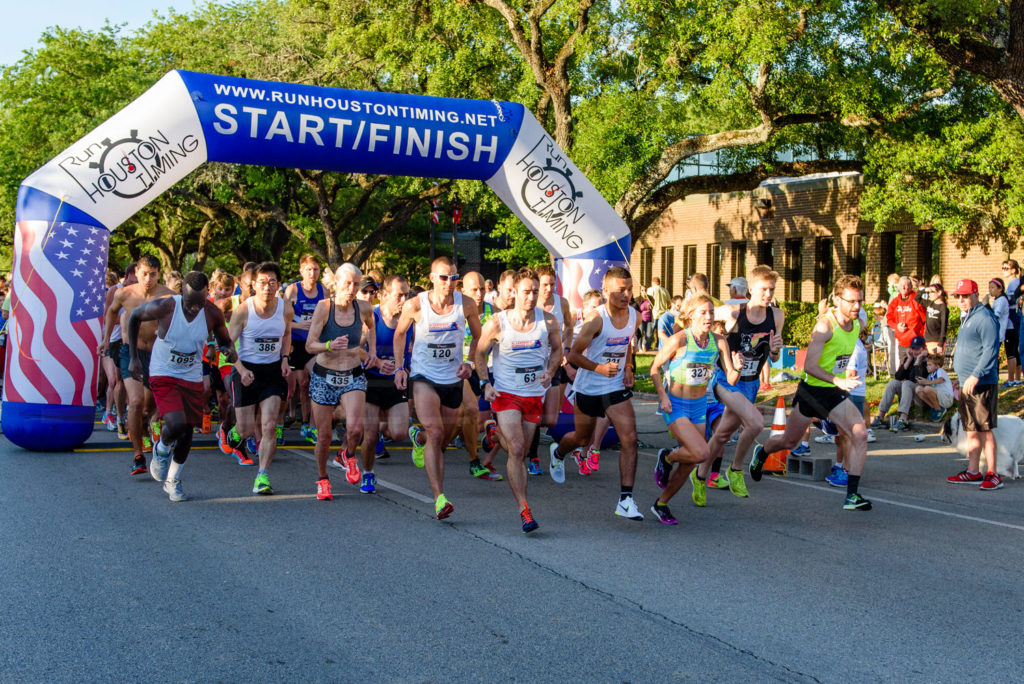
[25, 20]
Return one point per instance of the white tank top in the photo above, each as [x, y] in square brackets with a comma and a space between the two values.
[520, 357]
[610, 345]
[556, 311]
[178, 354]
[437, 343]
[261, 337]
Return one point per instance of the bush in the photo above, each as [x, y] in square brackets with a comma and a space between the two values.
[800, 318]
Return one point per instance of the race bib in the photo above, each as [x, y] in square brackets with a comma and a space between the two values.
[525, 377]
[442, 352]
[693, 375]
[749, 366]
[267, 345]
[182, 360]
[338, 378]
[306, 316]
[842, 362]
[613, 357]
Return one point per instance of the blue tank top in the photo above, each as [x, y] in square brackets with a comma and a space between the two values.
[304, 307]
[386, 343]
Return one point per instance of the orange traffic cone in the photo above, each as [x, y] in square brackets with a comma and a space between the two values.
[776, 462]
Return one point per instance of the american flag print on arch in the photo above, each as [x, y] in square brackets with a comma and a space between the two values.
[52, 358]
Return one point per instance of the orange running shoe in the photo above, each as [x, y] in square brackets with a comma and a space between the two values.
[323, 490]
[352, 474]
[207, 423]
[529, 524]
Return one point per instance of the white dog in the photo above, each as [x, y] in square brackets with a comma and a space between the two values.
[1009, 433]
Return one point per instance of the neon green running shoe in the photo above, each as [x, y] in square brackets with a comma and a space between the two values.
[279, 433]
[417, 448]
[480, 471]
[147, 443]
[262, 485]
[442, 507]
[736, 483]
[700, 489]
[718, 481]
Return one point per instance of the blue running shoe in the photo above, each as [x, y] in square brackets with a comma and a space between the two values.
[801, 450]
[252, 445]
[533, 467]
[838, 477]
[380, 445]
[369, 485]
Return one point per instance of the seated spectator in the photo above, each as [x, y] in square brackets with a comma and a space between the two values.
[935, 390]
[902, 385]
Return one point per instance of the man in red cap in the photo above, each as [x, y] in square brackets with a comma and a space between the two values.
[906, 316]
[976, 363]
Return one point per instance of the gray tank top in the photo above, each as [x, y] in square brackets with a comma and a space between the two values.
[332, 329]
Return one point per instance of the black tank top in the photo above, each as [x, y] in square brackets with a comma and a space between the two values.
[332, 329]
[752, 341]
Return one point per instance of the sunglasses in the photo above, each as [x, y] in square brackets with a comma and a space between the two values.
[444, 276]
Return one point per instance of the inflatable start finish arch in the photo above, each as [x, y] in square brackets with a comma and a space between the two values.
[67, 209]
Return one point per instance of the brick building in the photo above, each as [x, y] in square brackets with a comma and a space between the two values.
[809, 230]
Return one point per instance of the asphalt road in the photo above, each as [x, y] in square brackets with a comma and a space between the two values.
[105, 579]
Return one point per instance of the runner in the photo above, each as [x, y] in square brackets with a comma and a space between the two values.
[691, 355]
[117, 397]
[262, 328]
[604, 389]
[559, 308]
[440, 315]
[184, 323]
[823, 391]
[527, 354]
[303, 296]
[476, 410]
[590, 462]
[754, 331]
[140, 400]
[387, 407]
[335, 336]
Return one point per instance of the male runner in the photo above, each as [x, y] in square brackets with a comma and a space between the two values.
[116, 394]
[303, 296]
[754, 330]
[335, 336]
[559, 308]
[386, 405]
[603, 352]
[262, 328]
[440, 315]
[528, 352]
[126, 300]
[476, 409]
[184, 323]
[823, 391]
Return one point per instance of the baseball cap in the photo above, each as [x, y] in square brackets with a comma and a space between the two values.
[917, 343]
[966, 287]
[739, 282]
[367, 282]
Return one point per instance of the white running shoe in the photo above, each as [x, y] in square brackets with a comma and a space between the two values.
[173, 489]
[159, 464]
[557, 468]
[871, 436]
[825, 439]
[627, 509]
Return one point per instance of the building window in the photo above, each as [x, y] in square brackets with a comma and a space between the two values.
[857, 255]
[739, 259]
[715, 270]
[925, 254]
[766, 253]
[887, 261]
[646, 265]
[823, 268]
[668, 258]
[689, 260]
[794, 269]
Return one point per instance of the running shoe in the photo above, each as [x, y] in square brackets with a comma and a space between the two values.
[122, 430]
[252, 444]
[173, 489]
[207, 426]
[533, 467]
[900, 426]
[323, 490]
[662, 468]
[965, 477]
[384, 453]
[369, 485]
[737, 485]
[279, 433]
[417, 448]
[757, 460]
[222, 441]
[936, 415]
[492, 473]
[593, 456]
[626, 508]
[718, 481]
[529, 524]
[490, 439]
[871, 436]
[442, 507]
[856, 502]
[581, 462]
[825, 439]
[700, 489]
[379, 447]
[338, 462]
[479, 471]
[138, 464]
[838, 477]
[557, 468]
[352, 474]
[801, 450]
[991, 482]
[878, 422]
[262, 485]
[663, 514]
[160, 462]
[147, 443]
[154, 430]
[109, 421]
[733, 439]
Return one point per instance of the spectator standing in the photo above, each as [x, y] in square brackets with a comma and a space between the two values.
[976, 363]
[905, 316]
[882, 337]
[1011, 271]
[661, 300]
[667, 321]
[999, 304]
[937, 319]
[646, 323]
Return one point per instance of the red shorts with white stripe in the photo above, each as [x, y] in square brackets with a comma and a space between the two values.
[530, 407]
[171, 394]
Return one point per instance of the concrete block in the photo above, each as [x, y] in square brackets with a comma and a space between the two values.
[808, 467]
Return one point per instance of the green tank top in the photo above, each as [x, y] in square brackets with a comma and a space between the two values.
[695, 365]
[485, 316]
[835, 355]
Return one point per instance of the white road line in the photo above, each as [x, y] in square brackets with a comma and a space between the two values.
[383, 483]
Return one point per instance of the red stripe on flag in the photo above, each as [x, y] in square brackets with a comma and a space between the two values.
[24, 328]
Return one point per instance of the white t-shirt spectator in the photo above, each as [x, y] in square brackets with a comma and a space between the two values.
[1001, 308]
[946, 385]
[859, 363]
